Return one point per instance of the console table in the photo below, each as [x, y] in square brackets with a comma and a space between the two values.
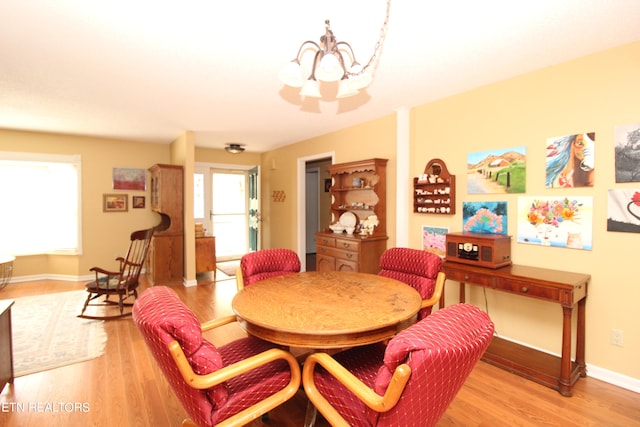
[560, 287]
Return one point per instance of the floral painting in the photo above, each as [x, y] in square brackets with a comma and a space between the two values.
[624, 211]
[484, 217]
[497, 171]
[433, 239]
[627, 153]
[556, 221]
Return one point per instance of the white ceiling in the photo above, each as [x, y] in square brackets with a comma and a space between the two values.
[147, 70]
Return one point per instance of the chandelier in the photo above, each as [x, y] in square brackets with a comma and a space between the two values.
[333, 61]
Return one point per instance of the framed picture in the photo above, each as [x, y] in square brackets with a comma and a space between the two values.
[484, 217]
[138, 202]
[564, 222]
[129, 179]
[114, 202]
[433, 239]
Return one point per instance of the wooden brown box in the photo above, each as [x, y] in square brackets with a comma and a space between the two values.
[485, 250]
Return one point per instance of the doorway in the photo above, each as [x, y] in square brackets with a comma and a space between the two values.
[226, 202]
[313, 204]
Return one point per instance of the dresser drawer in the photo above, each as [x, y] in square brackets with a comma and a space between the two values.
[527, 289]
[464, 276]
[337, 253]
[348, 245]
[326, 241]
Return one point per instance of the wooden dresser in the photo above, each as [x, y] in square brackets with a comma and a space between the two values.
[341, 252]
[560, 287]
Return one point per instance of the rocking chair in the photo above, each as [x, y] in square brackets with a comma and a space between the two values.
[122, 283]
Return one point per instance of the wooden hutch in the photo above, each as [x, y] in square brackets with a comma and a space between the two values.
[166, 250]
[359, 188]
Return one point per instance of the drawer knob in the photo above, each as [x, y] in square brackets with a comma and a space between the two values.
[325, 241]
[346, 245]
[349, 255]
[525, 289]
[466, 277]
[323, 250]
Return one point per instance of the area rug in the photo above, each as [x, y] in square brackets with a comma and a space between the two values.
[47, 334]
[228, 267]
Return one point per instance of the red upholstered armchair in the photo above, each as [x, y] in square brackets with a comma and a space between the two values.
[225, 386]
[411, 382]
[265, 263]
[419, 269]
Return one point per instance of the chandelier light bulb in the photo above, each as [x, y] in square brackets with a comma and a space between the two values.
[291, 74]
[329, 69]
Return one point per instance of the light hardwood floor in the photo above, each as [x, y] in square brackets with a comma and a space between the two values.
[124, 387]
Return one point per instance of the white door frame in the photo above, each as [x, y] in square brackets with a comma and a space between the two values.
[301, 172]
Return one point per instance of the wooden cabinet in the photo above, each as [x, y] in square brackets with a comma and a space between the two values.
[349, 253]
[166, 252]
[434, 191]
[206, 255]
[360, 188]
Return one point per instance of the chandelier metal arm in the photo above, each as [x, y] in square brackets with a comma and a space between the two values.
[311, 42]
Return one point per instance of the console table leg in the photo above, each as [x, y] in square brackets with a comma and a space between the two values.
[580, 337]
[565, 363]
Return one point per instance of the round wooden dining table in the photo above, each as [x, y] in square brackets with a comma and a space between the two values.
[326, 310]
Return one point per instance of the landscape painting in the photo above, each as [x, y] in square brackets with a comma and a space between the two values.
[564, 222]
[501, 171]
[624, 210]
[627, 153]
[484, 217]
[570, 161]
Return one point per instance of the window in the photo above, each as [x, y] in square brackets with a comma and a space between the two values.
[40, 210]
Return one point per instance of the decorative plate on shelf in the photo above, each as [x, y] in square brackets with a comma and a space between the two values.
[348, 219]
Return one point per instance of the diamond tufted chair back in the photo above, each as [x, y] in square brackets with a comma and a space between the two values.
[265, 263]
[409, 383]
[419, 269]
[226, 386]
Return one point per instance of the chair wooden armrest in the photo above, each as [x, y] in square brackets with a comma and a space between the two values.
[215, 323]
[365, 394]
[437, 291]
[231, 371]
[239, 279]
[103, 271]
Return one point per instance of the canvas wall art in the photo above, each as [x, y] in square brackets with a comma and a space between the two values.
[497, 171]
[627, 142]
[570, 161]
[624, 210]
[129, 179]
[556, 221]
[484, 217]
[433, 239]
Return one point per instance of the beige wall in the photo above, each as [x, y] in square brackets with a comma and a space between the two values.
[591, 94]
[104, 235]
